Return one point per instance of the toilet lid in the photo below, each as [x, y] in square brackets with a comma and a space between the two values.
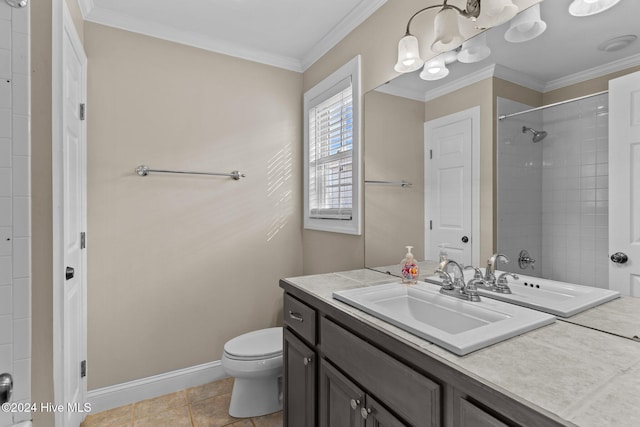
[262, 343]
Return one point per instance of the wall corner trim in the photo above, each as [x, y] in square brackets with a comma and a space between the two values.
[130, 392]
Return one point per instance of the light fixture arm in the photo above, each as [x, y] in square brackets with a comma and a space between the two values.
[472, 11]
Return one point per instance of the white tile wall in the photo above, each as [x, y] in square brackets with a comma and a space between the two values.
[15, 201]
[575, 219]
[574, 190]
[519, 188]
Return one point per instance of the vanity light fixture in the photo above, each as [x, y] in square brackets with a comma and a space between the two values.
[485, 13]
[436, 68]
[474, 50]
[526, 26]
[590, 7]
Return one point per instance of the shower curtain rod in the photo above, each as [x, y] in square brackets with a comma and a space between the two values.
[506, 116]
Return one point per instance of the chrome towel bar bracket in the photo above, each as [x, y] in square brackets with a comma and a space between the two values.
[143, 170]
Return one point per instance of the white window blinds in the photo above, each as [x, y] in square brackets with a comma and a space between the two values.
[330, 154]
[332, 157]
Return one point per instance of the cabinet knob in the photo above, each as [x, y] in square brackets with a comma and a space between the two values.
[364, 412]
[354, 404]
[307, 360]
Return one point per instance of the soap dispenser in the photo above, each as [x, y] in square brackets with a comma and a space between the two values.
[409, 268]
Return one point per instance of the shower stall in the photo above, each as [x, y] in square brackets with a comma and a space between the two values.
[15, 206]
[552, 190]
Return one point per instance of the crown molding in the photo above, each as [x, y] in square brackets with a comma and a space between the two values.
[518, 78]
[401, 92]
[349, 23]
[86, 6]
[128, 23]
[592, 73]
[474, 77]
[109, 18]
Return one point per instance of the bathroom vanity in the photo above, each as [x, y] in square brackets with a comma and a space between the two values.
[344, 367]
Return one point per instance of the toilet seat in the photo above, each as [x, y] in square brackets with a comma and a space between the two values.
[256, 345]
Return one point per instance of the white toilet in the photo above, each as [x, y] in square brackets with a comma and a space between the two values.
[254, 360]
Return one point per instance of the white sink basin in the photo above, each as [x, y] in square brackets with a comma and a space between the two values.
[454, 324]
[558, 298]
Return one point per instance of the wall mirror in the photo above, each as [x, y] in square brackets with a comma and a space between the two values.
[527, 197]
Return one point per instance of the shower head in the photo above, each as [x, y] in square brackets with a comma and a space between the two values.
[537, 135]
[17, 3]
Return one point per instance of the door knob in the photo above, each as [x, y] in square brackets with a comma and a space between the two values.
[6, 387]
[465, 239]
[69, 273]
[619, 258]
[307, 360]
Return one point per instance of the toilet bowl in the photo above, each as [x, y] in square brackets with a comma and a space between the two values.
[254, 360]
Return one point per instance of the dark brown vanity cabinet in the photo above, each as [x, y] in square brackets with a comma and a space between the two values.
[344, 404]
[342, 372]
[300, 364]
[469, 415]
[299, 382]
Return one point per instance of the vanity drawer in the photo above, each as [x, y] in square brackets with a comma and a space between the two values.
[300, 317]
[409, 394]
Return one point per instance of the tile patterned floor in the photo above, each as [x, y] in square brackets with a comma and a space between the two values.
[203, 406]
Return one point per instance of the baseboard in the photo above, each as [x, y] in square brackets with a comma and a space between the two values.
[117, 395]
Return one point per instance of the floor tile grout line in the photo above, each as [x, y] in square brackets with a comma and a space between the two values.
[193, 423]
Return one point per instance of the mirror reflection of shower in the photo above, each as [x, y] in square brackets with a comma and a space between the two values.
[552, 195]
[17, 3]
[537, 135]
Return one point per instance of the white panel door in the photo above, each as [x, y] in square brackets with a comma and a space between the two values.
[448, 185]
[624, 184]
[73, 223]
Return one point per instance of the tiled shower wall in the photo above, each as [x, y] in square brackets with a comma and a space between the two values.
[15, 200]
[575, 188]
[519, 188]
[553, 195]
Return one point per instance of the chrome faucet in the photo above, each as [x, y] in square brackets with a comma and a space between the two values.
[492, 262]
[502, 284]
[455, 286]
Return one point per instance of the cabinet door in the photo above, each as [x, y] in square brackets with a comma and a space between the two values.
[299, 383]
[340, 400]
[378, 416]
[472, 416]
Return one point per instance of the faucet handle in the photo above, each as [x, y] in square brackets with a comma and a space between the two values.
[477, 274]
[502, 279]
[502, 283]
[471, 289]
[447, 282]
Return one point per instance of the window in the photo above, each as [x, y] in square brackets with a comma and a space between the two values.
[332, 152]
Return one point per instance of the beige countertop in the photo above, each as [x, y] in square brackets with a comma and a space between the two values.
[579, 374]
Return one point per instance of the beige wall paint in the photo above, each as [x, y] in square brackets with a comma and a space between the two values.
[179, 264]
[394, 215]
[41, 208]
